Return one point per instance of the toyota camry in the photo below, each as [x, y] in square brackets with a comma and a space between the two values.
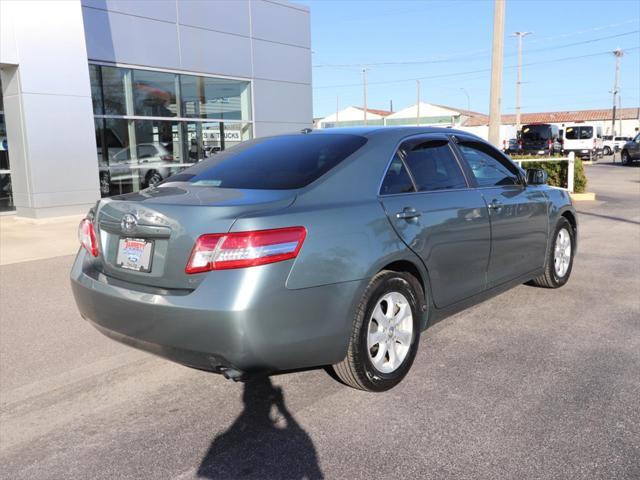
[332, 248]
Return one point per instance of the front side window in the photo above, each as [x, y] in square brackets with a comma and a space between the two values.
[396, 180]
[434, 166]
[487, 167]
[579, 133]
[276, 163]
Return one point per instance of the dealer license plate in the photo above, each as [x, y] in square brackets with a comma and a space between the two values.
[134, 254]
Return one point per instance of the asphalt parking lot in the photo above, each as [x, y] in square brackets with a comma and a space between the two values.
[534, 383]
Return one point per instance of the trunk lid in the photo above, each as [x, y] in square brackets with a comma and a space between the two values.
[171, 219]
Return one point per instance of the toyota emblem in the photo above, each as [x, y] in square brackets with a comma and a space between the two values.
[129, 222]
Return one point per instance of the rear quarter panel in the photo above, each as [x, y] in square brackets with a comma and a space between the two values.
[345, 242]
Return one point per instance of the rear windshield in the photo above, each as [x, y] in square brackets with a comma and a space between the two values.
[536, 132]
[579, 133]
[276, 163]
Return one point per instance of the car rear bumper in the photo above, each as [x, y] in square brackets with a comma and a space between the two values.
[242, 319]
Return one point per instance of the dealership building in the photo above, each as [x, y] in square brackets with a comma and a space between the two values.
[102, 97]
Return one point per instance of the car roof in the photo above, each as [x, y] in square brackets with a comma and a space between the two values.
[392, 132]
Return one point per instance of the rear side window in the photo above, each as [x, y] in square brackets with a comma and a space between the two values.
[434, 166]
[487, 166]
[397, 179]
[276, 163]
[579, 133]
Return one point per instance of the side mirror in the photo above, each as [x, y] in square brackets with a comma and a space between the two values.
[536, 176]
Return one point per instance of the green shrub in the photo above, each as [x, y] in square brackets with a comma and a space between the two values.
[557, 172]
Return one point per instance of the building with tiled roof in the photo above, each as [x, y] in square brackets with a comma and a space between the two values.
[627, 119]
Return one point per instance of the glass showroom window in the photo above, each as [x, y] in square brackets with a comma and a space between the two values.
[150, 125]
[6, 197]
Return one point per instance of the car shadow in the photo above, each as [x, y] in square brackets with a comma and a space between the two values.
[265, 441]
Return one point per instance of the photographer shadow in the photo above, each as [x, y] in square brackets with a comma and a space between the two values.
[265, 441]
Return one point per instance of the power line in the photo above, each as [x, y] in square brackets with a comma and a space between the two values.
[468, 55]
[469, 72]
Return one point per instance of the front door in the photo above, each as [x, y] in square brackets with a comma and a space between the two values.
[430, 205]
[518, 214]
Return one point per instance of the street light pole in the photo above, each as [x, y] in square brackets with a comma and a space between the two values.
[520, 36]
[496, 72]
[618, 54]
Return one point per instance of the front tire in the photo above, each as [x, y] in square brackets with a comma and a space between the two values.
[607, 151]
[559, 258]
[625, 157]
[386, 331]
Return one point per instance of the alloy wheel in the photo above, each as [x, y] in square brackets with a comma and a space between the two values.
[562, 253]
[390, 332]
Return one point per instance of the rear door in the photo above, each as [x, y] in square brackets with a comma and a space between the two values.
[429, 203]
[518, 214]
[580, 138]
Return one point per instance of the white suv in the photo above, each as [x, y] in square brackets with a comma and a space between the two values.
[611, 144]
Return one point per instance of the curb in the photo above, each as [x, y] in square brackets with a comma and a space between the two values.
[583, 197]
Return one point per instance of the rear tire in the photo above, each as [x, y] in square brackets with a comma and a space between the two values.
[559, 262]
[153, 178]
[386, 331]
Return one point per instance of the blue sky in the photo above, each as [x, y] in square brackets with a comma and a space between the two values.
[455, 37]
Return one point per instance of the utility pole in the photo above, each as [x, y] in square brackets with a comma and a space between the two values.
[620, 110]
[618, 54]
[496, 72]
[364, 86]
[520, 36]
[418, 102]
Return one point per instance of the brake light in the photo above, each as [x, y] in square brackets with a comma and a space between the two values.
[87, 237]
[221, 251]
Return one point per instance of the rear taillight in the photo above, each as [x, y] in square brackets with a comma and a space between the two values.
[87, 237]
[221, 251]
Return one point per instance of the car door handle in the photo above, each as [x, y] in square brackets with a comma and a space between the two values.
[408, 213]
[495, 205]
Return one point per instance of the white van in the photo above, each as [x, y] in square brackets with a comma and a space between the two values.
[584, 139]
